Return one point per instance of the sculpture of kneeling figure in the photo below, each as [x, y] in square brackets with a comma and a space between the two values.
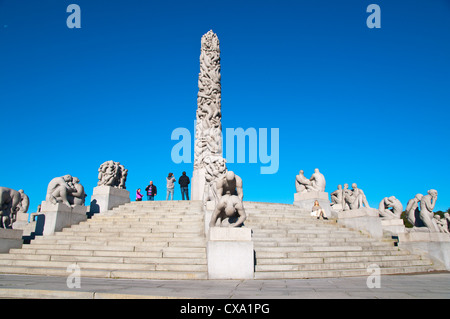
[229, 208]
[387, 203]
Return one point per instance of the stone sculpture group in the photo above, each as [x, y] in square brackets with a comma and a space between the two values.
[345, 199]
[67, 190]
[12, 202]
[424, 219]
[113, 174]
[315, 183]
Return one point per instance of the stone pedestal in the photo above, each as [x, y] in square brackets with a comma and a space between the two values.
[60, 216]
[393, 227]
[364, 219]
[10, 238]
[198, 184]
[105, 198]
[21, 221]
[435, 245]
[306, 201]
[230, 253]
[209, 209]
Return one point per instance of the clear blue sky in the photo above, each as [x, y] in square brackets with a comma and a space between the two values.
[363, 105]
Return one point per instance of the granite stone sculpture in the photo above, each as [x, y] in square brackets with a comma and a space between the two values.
[316, 183]
[426, 210]
[390, 208]
[208, 126]
[441, 224]
[337, 196]
[78, 197]
[355, 198]
[112, 174]
[229, 211]
[230, 184]
[67, 190]
[208, 131]
[229, 207]
[413, 211]
[419, 212]
[12, 202]
[215, 169]
[301, 182]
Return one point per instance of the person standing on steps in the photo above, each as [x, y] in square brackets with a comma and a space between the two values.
[170, 185]
[139, 195]
[184, 185]
[151, 191]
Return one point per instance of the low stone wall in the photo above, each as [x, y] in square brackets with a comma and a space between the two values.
[10, 238]
[435, 245]
[363, 219]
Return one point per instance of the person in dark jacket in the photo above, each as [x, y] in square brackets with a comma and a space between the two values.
[151, 191]
[184, 182]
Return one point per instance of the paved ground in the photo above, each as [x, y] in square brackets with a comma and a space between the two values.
[436, 285]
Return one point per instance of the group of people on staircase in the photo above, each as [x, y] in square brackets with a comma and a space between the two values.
[152, 191]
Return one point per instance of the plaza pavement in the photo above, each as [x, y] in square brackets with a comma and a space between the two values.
[420, 286]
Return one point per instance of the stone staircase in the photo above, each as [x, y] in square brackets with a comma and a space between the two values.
[166, 240]
[139, 240]
[289, 243]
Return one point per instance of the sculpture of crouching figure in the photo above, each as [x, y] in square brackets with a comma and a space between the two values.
[387, 203]
[229, 210]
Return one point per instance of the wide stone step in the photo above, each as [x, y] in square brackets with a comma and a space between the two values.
[172, 242]
[106, 232]
[142, 229]
[334, 260]
[132, 236]
[122, 248]
[101, 273]
[324, 254]
[105, 265]
[321, 244]
[157, 253]
[341, 265]
[337, 273]
[126, 222]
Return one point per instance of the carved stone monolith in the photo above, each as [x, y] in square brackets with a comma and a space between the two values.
[209, 164]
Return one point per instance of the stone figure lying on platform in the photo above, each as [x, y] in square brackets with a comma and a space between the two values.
[316, 183]
[230, 206]
[390, 208]
[112, 174]
[67, 190]
[12, 202]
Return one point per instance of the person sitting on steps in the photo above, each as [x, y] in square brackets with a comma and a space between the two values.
[318, 211]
